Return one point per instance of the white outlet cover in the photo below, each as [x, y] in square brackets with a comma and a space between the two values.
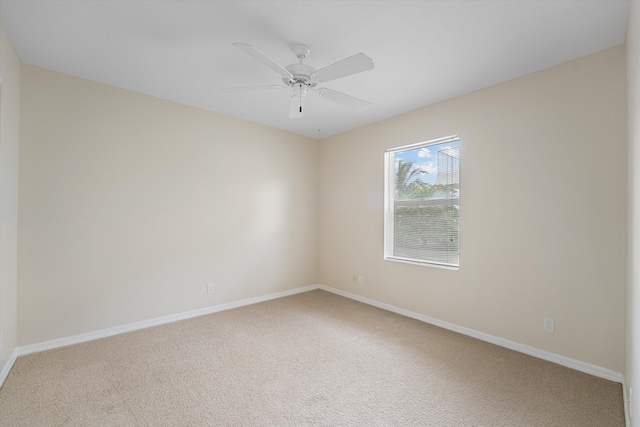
[549, 324]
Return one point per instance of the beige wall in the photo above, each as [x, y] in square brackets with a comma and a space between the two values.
[632, 371]
[9, 136]
[542, 211]
[129, 205]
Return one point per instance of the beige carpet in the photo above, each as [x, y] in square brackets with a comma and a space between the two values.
[309, 359]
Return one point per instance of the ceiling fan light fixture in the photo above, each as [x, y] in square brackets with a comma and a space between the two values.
[297, 100]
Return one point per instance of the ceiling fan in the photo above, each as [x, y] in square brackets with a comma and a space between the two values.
[303, 78]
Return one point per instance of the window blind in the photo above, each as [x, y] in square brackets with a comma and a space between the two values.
[422, 202]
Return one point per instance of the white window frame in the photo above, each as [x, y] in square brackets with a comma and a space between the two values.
[389, 205]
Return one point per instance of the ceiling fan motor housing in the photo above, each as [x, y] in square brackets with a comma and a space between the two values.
[301, 74]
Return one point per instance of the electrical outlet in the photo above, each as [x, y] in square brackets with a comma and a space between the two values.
[360, 280]
[210, 288]
[354, 279]
[549, 324]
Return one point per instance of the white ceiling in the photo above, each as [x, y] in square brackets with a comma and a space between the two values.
[423, 51]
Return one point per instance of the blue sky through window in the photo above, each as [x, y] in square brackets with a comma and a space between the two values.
[426, 158]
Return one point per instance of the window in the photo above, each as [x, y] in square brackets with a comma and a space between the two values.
[422, 203]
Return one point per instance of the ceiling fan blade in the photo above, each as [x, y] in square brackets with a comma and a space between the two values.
[248, 88]
[252, 51]
[351, 65]
[343, 99]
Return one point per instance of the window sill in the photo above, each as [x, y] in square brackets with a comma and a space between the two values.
[423, 263]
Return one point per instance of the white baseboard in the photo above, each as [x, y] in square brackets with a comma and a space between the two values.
[103, 333]
[7, 366]
[522, 348]
[625, 397]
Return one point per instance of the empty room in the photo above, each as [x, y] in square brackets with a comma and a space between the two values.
[292, 213]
